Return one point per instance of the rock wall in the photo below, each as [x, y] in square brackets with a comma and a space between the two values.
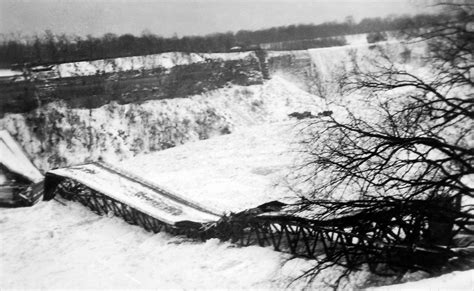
[58, 135]
[318, 71]
[127, 80]
[90, 116]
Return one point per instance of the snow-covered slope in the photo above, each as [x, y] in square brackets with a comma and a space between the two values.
[452, 281]
[9, 73]
[229, 173]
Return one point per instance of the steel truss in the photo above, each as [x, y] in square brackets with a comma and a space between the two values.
[105, 205]
[400, 235]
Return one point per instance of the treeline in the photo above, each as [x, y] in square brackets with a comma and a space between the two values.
[305, 43]
[53, 48]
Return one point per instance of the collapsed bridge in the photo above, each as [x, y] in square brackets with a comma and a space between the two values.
[416, 233]
[106, 189]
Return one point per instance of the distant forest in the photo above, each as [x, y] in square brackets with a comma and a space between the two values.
[49, 48]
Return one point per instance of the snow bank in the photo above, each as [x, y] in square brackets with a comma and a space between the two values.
[452, 281]
[230, 173]
[9, 73]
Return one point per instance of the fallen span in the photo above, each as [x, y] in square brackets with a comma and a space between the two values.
[107, 189]
[415, 233]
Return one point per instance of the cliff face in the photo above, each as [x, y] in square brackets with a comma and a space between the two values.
[58, 135]
[130, 106]
[127, 80]
[175, 75]
[318, 71]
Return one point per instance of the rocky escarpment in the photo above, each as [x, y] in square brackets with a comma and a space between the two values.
[117, 109]
[318, 71]
[57, 135]
[127, 80]
[174, 75]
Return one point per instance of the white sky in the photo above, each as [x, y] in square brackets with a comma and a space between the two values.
[184, 17]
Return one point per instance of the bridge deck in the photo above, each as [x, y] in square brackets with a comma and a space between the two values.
[141, 195]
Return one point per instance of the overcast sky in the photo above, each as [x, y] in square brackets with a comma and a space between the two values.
[184, 17]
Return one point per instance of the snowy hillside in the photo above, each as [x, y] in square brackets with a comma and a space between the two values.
[8, 73]
[229, 173]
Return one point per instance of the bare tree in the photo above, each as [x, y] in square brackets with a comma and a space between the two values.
[412, 141]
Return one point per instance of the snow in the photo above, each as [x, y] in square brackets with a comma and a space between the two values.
[68, 246]
[452, 281]
[230, 173]
[9, 73]
[148, 62]
[3, 179]
[356, 39]
[65, 245]
[14, 158]
[328, 60]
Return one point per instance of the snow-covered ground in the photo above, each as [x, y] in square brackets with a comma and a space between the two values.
[229, 173]
[57, 246]
[452, 281]
[52, 245]
[9, 73]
